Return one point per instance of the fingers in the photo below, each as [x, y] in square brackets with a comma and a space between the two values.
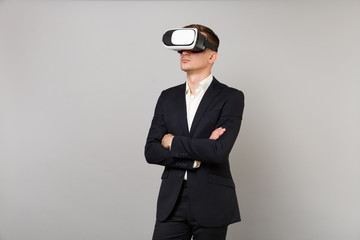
[217, 133]
[167, 140]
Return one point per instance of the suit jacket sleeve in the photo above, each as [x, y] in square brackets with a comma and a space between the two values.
[155, 153]
[214, 151]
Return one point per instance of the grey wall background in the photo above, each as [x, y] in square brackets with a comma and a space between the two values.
[79, 82]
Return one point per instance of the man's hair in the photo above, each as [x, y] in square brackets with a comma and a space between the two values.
[212, 37]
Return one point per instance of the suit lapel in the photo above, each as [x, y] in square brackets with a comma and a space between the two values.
[181, 109]
[208, 97]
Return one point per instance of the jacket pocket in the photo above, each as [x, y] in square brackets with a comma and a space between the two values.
[220, 180]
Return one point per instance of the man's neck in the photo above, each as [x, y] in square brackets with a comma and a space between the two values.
[193, 79]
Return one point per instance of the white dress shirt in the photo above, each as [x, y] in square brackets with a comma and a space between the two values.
[193, 100]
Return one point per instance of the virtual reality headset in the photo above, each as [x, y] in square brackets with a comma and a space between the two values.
[187, 39]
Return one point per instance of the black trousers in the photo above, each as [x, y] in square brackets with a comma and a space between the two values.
[181, 224]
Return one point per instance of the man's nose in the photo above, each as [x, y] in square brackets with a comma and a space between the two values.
[185, 52]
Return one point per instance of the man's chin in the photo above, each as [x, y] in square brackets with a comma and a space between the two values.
[185, 69]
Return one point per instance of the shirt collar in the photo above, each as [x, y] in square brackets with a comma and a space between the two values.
[204, 84]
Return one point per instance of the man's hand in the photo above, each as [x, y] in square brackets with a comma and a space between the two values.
[167, 140]
[217, 133]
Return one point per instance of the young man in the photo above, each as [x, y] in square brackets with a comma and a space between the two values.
[193, 130]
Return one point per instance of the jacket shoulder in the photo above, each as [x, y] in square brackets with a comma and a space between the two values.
[173, 90]
[229, 91]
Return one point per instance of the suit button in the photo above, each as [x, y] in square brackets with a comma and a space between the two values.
[181, 175]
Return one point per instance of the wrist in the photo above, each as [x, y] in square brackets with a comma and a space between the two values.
[196, 164]
[170, 141]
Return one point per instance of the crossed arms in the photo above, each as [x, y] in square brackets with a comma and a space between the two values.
[185, 150]
[167, 139]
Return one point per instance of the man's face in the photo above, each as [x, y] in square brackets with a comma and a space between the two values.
[196, 61]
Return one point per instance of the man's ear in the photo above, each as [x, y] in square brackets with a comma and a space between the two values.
[213, 57]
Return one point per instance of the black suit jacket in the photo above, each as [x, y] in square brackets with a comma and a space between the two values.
[211, 187]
